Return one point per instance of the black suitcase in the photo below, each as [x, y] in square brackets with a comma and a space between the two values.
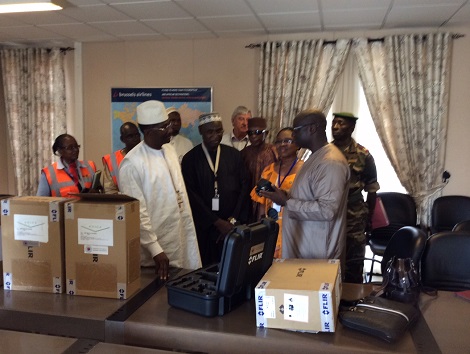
[217, 289]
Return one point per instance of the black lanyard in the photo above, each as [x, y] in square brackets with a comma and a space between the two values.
[287, 174]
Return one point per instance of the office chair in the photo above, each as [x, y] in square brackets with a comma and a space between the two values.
[449, 210]
[408, 242]
[401, 211]
[445, 263]
[462, 226]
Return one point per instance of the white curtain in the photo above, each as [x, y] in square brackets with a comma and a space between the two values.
[296, 75]
[406, 83]
[35, 103]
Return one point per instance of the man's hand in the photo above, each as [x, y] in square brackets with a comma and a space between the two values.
[162, 264]
[279, 196]
[224, 228]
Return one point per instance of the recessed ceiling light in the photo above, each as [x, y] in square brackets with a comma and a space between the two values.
[9, 6]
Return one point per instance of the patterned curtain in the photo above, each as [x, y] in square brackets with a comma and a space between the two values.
[406, 83]
[296, 75]
[34, 85]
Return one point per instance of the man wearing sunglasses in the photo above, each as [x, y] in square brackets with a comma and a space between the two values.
[314, 220]
[151, 173]
[257, 156]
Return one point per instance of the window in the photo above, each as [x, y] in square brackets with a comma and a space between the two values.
[350, 98]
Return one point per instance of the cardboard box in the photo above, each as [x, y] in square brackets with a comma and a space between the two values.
[102, 246]
[33, 244]
[299, 294]
[2, 196]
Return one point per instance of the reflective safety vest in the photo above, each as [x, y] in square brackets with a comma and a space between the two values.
[113, 161]
[61, 184]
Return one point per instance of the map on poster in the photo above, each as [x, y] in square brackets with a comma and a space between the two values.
[190, 102]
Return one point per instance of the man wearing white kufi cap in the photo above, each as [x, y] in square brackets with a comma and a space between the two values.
[151, 173]
[218, 187]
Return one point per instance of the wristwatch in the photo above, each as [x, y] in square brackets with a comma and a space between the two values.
[232, 220]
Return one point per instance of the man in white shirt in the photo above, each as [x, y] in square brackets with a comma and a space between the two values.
[181, 144]
[151, 173]
[238, 137]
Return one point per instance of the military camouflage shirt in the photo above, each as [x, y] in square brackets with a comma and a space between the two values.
[363, 177]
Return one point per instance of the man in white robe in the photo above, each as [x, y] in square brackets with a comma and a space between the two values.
[181, 144]
[151, 173]
[314, 220]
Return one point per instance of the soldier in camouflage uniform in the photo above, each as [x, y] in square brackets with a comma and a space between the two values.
[363, 177]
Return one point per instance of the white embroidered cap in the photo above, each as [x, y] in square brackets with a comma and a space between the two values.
[209, 118]
[151, 112]
[171, 110]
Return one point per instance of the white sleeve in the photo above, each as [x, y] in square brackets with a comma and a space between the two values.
[130, 183]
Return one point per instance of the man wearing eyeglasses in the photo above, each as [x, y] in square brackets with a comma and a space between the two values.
[151, 173]
[314, 220]
[238, 137]
[257, 156]
[130, 136]
[363, 178]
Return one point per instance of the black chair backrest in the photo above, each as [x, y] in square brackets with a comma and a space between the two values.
[400, 208]
[401, 211]
[449, 210]
[462, 226]
[408, 242]
[445, 264]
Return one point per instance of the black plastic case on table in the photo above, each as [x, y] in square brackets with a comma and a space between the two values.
[217, 289]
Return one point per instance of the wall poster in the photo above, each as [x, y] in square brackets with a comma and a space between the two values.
[191, 102]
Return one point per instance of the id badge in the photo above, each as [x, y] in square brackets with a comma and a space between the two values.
[215, 203]
[277, 207]
[180, 201]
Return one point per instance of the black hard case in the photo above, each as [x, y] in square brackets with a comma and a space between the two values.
[217, 289]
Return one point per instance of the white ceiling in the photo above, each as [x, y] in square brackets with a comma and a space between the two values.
[129, 20]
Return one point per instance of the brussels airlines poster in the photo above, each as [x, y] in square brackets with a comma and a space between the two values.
[190, 102]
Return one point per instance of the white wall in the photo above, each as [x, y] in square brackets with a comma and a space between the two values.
[232, 71]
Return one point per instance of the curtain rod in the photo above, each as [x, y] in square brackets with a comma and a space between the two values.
[370, 40]
[62, 50]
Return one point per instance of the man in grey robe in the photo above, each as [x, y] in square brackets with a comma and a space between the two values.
[314, 221]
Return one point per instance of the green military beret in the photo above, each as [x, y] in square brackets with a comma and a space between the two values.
[346, 115]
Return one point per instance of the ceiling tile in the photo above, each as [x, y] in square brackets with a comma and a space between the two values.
[418, 16]
[192, 35]
[176, 25]
[293, 20]
[343, 5]
[128, 20]
[206, 8]
[95, 13]
[153, 10]
[231, 23]
[353, 18]
[279, 6]
[29, 32]
[75, 30]
[461, 17]
[121, 28]
[8, 20]
[41, 18]
[141, 37]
